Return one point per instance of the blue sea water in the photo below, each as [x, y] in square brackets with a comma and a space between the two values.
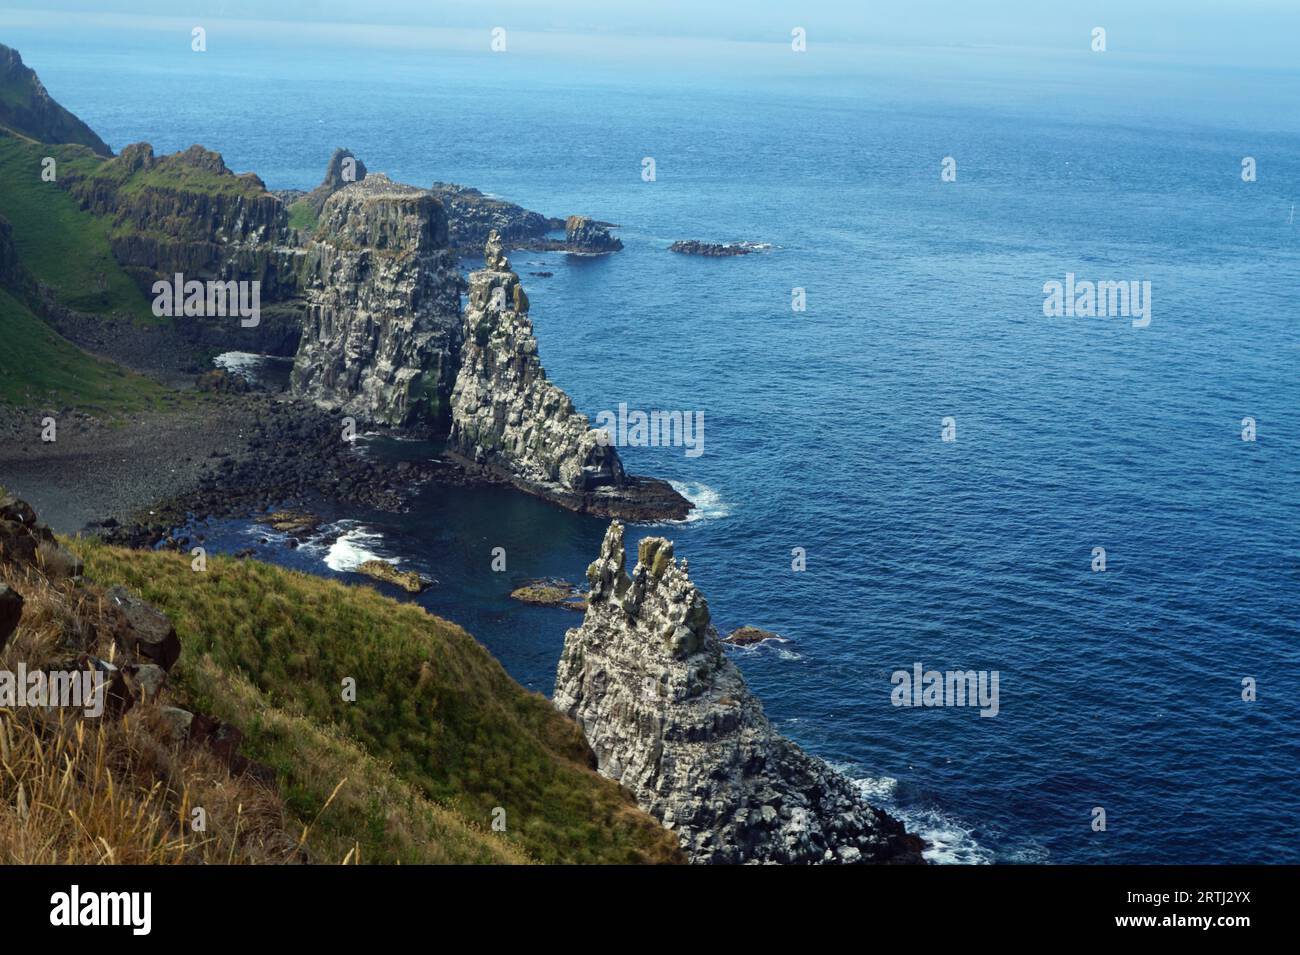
[1121, 689]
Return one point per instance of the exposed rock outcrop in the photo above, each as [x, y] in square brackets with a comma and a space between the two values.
[145, 643]
[472, 216]
[383, 326]
[25, 541]
[344, 167]
[670, 717]
[12, 273]
[27, 108]
[187, 213]
[711, 249]
[408, 580]
[751, 636]
[508, 419]
[11, 611]
[584, 235]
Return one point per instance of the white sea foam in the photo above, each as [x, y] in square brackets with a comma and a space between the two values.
[948, 841]
[708, 502]
[241, 362]
[353, 548]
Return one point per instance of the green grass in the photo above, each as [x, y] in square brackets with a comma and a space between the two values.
[59, 244]
[40, 367]
[171, 174]
[302, 216]
[431, 703]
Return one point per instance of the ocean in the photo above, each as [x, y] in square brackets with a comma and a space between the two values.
[1120, 689]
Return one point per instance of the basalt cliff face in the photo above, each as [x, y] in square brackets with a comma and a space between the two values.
[187, 214]
[382, 333]
[670, 717]
[509, 421]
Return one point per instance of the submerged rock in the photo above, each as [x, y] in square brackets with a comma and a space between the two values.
[669, 716]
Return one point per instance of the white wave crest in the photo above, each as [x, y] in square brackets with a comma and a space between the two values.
[948, 841]
[709, 504]
[352, 549]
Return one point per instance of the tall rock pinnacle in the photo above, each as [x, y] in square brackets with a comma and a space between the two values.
[670, 717]
[506, 414]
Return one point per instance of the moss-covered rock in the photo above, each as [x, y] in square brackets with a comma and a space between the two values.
[408, 580]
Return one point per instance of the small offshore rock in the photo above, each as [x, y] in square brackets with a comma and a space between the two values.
[711, 249]
[408, 580]
[750, 636]
[550, 592]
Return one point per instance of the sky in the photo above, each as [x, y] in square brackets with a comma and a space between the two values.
[1247, 33]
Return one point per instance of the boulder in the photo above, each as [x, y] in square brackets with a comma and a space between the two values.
[11, 612]
[143, 630]
[176, 723]
[146, 680]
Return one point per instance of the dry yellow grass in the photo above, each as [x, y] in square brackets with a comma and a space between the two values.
[81, 791]
[115, 791]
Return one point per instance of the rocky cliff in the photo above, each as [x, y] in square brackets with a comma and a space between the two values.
[382, 331]
[187, 213]
[344, 167]
[472, 216]
[670, 717]
[508, 419]
[28, 109]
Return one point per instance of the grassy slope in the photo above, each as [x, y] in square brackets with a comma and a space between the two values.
[38, 367]
[268, 648]
[68, 250]
[302, 216]
[61, 245]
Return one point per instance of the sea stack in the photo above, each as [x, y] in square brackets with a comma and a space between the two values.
[510, 422]
[669, 716]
